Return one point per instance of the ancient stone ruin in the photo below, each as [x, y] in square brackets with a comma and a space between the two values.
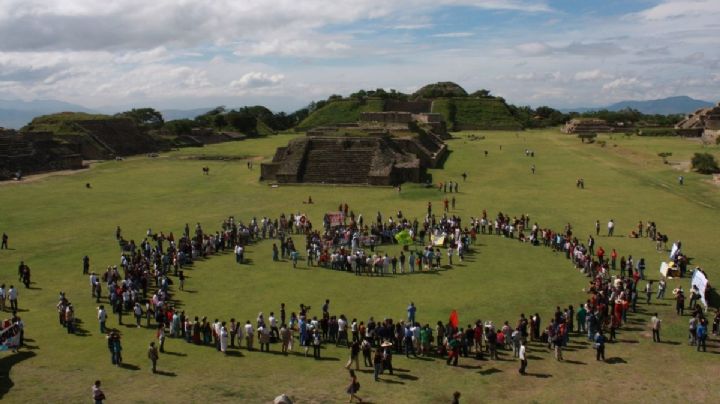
[586, 126]
[34, 152]
[383, 148]
[704, 122]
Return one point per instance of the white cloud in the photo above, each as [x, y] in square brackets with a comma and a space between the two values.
[454, 35]
[257, 80]
[590, 75]
[674, 9]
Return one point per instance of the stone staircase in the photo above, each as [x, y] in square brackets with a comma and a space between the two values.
[337, 162]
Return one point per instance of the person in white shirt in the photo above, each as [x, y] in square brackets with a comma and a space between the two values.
[273, 326]
[611, 227]
[342, 331]
[102, 317]
[249, 335]
[13, 295]
[523, 357]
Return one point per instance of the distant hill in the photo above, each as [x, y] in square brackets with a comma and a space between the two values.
[173, 114]
[15, 114]
[665, 106]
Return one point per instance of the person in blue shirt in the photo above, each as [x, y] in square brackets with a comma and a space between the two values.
[599, 346]
[701, 333]
[411, 312]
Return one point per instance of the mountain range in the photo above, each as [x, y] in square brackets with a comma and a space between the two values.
[665, 106]
[15, 114]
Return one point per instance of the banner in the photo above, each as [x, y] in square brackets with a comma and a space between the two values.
[438, 240]
[700, 281]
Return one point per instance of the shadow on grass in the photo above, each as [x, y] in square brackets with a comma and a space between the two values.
[490, 371]
[407, 377]
[669, 342]
[470, 366]
[163, 373]
[175, 353]
[539, 375]
[129, 366]
[615, 360]
[575, 362]
[388, 381]
[535, 358]
[6, 364]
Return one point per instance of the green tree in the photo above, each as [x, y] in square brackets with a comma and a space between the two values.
[705, 163]
[145, 118]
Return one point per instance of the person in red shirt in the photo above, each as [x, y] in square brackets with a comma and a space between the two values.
[613, 258]
[600, 254]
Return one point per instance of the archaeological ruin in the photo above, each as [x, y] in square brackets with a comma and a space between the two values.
[704, 123]
[382, 148]
[574, 126]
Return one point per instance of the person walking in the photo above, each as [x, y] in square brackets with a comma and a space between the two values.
[153, 355]
[353, 388]
[98, 395]
[522, 354]
[655, 322]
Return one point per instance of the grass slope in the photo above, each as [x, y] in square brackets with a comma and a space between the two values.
[53, 222]
[342, 111]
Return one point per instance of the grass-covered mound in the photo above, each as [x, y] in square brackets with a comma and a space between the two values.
[340, 111]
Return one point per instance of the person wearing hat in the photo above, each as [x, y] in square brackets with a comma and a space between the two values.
[387, 356]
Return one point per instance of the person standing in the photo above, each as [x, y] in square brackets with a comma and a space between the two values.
[98, 395]
[597, 227]
[86, 265]
[13, 295]
[655, 322]
[411, 313]
[648, 290]
[223, 338]
[701, 335]
[353, 388]
[599, 346]
[4, 245]
[522, 354]
[662, 285]
[377, 363]
[153, 355]
[611, 227]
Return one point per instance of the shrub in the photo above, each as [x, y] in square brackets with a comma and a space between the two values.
[705, 163]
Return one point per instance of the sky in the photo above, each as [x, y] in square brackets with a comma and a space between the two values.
[285, 53]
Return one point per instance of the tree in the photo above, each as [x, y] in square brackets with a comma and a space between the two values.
[705, 163]
[144, 118]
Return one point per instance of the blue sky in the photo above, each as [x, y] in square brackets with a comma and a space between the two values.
[286, 53]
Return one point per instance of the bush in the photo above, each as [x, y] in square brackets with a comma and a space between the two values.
[705, 163]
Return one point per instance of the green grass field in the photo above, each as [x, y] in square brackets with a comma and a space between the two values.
[55, 221]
